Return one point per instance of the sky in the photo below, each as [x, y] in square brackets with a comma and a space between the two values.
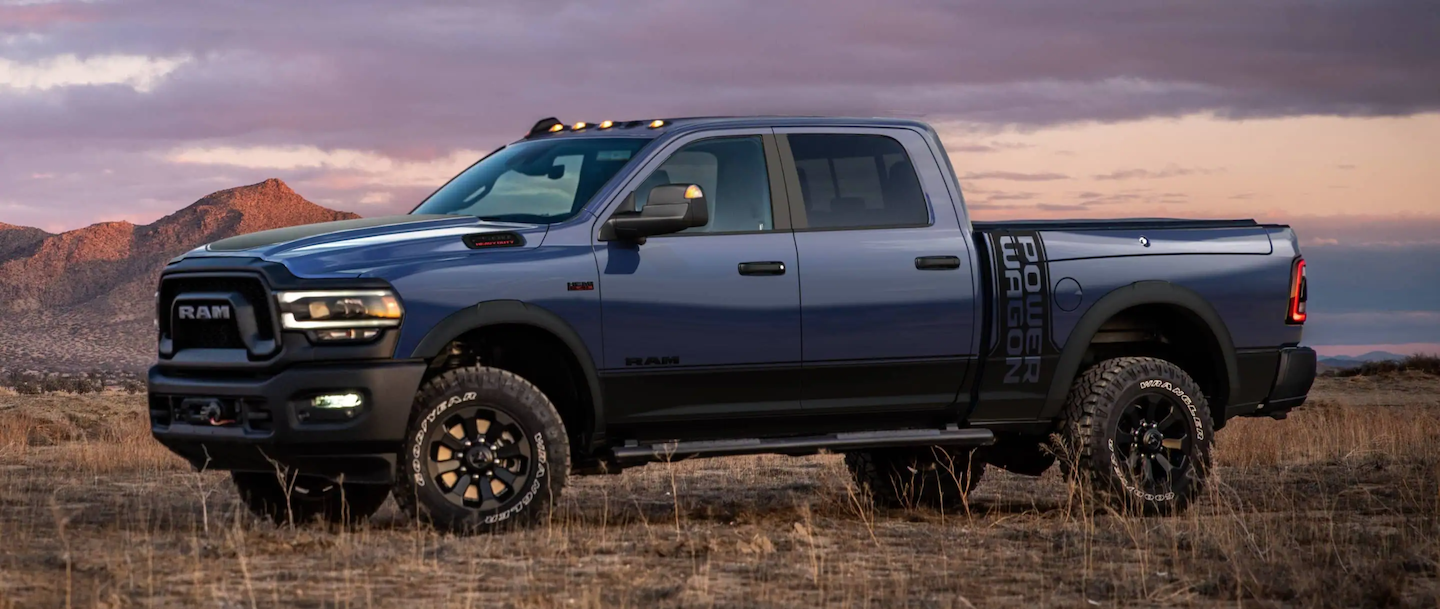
[1323, 114]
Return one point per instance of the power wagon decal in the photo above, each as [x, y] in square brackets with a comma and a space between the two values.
[1021, 361]
[1023, 313]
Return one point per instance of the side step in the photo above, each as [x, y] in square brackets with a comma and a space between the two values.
[804, 445]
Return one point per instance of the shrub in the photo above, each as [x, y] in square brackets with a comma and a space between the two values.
[1420, 362]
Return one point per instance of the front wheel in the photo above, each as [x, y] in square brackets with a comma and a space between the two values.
[484, 448]
[1139, 430]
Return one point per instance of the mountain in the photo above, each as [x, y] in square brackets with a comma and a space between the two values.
[15, 240]
[84, 298]
[1378, 356]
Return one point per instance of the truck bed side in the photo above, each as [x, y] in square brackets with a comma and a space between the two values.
[1210, 295]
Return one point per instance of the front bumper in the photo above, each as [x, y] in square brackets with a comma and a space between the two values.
[254, 423]
[1292, 382]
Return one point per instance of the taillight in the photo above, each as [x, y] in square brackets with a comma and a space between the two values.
[1297, 294]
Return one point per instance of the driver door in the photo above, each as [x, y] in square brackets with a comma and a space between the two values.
[705, 323]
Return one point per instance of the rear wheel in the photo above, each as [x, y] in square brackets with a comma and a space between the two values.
[1139, 430]
[485, 448]
[906, 477]
[298, 499]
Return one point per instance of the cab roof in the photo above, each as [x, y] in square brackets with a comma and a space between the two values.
[642, 128]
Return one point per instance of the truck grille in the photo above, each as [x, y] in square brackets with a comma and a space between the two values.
[212, 333]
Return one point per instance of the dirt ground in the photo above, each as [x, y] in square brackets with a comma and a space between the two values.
[1337, 506]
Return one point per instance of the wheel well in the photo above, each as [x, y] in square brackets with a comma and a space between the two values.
[537, 356]
[1170, 332]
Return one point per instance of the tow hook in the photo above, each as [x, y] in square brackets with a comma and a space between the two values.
[207, 411]
[213, 413]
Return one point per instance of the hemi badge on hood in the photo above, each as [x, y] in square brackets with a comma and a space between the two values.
[580, 286]
[489, 240]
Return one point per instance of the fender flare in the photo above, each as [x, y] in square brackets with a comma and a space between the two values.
[515, 312]
[1120, 299]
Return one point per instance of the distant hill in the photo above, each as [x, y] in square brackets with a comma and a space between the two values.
[1345, 361]
[85, 298]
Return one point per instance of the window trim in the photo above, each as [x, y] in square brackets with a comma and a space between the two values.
[800, 223]
[780, 212]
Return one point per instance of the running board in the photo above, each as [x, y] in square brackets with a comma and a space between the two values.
[804, 445]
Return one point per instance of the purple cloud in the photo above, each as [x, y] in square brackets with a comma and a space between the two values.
[416, 82]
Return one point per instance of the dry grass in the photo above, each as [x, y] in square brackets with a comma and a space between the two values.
[1337, 506]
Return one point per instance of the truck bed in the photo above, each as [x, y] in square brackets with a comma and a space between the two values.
[1113, 224]
[1079, 239]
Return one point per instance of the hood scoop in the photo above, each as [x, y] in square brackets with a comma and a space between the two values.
[485, 241]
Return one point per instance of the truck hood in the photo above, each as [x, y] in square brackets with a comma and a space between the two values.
[355, 247]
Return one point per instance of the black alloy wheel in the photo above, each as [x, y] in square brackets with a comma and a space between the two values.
[485, 449]
[1152, 440]
[482, 458]
[1138, 431]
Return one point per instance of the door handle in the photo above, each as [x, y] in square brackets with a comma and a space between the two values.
[937, 263]
[762, 268]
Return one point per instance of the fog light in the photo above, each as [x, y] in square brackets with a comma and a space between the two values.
[337, 400]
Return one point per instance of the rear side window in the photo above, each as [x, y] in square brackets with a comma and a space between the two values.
[857, 181]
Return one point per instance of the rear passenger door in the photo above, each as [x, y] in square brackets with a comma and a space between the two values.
[886, 289]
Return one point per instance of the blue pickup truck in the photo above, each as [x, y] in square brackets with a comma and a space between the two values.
[598, 296]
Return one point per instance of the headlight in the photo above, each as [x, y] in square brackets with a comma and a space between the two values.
[345, 311]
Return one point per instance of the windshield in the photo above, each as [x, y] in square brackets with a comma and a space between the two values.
[536, 182]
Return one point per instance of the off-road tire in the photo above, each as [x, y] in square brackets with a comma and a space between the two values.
[299, 499]
[907, 477]
[1094, 449]
[498, 394]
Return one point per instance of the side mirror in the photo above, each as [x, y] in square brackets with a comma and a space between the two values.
[670, 209]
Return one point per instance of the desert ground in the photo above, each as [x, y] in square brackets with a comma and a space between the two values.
[1337, 506]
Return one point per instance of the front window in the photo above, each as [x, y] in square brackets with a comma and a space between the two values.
[731, 172]
[539, 182]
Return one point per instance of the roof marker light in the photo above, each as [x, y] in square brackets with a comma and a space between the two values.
[580, 125]
[557, 127]
[657, 123]
[607, 124]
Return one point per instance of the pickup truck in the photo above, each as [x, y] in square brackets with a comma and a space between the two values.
[603, 295]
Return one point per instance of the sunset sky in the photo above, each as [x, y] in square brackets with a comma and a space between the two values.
[1324, 114]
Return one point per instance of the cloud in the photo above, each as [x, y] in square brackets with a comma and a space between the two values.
[1014, 176]
[1367, 231]
[352, 166]
[377, 198]
[1357, 279]
[1367, 327]
[1168, 172]
[1011, 196]
[407, 74]
[411, 83]
[983, 148]
[1060, 206]
[137, 72]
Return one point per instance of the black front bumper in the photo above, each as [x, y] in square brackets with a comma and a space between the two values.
[254, 423]
[1292, 382]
